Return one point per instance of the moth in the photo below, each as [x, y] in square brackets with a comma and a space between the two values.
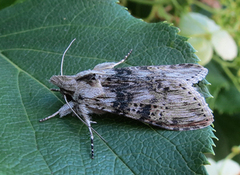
[165, 96]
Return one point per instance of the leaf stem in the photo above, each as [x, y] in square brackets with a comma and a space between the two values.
[225, 66]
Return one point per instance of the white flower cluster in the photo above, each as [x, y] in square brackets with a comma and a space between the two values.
[206, 36]
[223, 167]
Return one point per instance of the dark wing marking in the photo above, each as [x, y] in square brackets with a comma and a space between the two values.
[165, 98]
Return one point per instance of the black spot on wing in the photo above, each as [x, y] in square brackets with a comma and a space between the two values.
[122, 100]
[143, 68]
[144, 112]
[154, 100]
[159, 85]
[80, 97]
[187, 65]
[172, 66]
[166, 89]
[122, 71]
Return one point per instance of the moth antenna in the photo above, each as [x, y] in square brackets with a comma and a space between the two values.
[88, 121]
[64, 55]
[65, 98]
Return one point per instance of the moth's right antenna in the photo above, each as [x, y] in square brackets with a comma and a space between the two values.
[64, 55]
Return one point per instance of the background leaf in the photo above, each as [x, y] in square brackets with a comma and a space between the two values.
[223, 91]
[33, 36]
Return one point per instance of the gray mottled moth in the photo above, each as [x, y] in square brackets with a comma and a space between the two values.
[165, 96]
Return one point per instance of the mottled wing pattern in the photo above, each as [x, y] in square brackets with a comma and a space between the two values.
[159, 95]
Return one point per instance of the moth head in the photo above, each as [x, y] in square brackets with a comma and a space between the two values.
[82, 85]
[67, 84]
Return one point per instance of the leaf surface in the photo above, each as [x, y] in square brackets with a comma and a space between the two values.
[33, 37]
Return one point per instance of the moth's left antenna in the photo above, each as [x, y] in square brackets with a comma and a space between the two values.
[64, 55]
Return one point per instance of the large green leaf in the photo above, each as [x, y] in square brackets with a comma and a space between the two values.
[33, 36]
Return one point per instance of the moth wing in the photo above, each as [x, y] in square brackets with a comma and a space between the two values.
[192, 73]
[166, 101]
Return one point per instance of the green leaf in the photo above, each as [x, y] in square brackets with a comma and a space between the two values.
[33, 36]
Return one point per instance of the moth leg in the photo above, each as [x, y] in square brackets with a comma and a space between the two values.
[63, 111]
[55, 90]
[124, 59]
[51, 116]
[85, 114]
[110, 65]
[88, 121]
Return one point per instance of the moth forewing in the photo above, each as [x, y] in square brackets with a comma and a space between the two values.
[163, 96]
[156, 96]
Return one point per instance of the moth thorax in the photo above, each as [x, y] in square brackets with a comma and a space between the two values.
[90, 89]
